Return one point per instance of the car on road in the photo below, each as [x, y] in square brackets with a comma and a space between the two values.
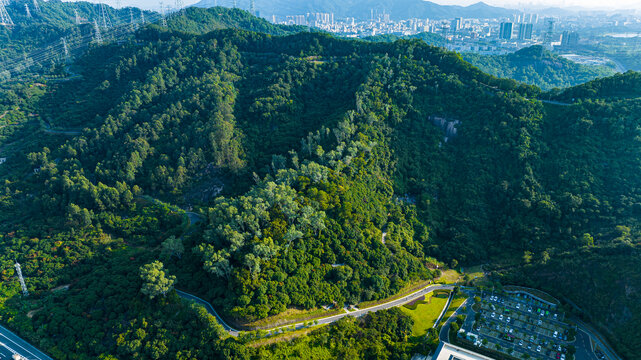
[521, 343]
[562, 356]
[501, 317]
[538, 348]
[493, 314]
[508, 319]
[556, 333]
[518, 306]
[529, 346]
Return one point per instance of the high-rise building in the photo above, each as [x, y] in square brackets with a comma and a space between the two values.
[569, 39]
[525, 31]
[457, 24]
[506, 31]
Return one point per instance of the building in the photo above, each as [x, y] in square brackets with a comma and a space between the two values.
[457, 24]
[3, 160]
[506, 31]
[447, 351]
[525, 31]
[569, 39]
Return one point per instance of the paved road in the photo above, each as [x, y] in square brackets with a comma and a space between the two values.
[210, 309]
[328, 320]
[193, 217]
[443, 335]
[583, 347]
[11, 344]
[589, 331]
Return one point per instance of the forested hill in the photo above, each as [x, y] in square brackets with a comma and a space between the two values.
[56, 19]
[298, 153]
[203, 20]
[537, 66]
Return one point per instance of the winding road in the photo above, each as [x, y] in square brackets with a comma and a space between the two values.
[327, 320]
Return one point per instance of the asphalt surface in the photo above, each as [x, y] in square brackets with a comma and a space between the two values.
[11, 344]
[583, 348]
[328, 320]
[588, 331]
[210, 309]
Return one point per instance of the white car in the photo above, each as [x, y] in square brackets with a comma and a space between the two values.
[493, 314]
[501, 317]
[508, 319]
[518, 306]
[538, 348]
[556, 333]
[521, 343]
[540, 322]
[562, 356]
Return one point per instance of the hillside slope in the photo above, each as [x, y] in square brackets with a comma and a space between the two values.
[298, 152]
[537, 66]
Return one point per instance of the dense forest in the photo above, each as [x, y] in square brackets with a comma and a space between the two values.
[260, 173]
[538, 66]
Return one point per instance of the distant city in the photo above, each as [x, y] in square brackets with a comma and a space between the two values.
[485, 36]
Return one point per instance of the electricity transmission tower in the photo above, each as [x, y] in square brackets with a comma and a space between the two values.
[179, 4]
[106, 22]
[5, 19]
[66, 49]
[25, 292]
[97, 37]
[26, 9]
[252, 7]
[162, 14]
[131, 15]
[142, 17]
[36, 7]
[75, 12]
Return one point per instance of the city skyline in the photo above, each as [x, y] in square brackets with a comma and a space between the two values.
[587, 4]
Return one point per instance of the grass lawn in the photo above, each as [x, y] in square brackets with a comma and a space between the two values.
[424, 313]
[449, 276]
[457, 301]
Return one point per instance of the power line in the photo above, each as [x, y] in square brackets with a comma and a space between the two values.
[106, 21]
[5, 19]
[97, 35]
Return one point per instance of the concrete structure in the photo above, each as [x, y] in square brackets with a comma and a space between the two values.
[525, 31]
[506, 31]
[448, 351]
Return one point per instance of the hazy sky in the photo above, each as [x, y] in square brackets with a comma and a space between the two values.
[621, 4]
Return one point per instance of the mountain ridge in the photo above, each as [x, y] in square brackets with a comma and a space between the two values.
[398, 10]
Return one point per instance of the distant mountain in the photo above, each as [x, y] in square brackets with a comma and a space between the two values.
[398, 9]
[536, 66]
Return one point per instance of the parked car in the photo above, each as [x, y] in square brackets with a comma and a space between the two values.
[508, 319]
[538, 348]
[521, 343]
[556, 333]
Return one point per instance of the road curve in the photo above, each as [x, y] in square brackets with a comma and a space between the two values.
[11, 344]
[210, 309]
[327, 320]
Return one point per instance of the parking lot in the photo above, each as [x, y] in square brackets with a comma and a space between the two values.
[520, 326]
